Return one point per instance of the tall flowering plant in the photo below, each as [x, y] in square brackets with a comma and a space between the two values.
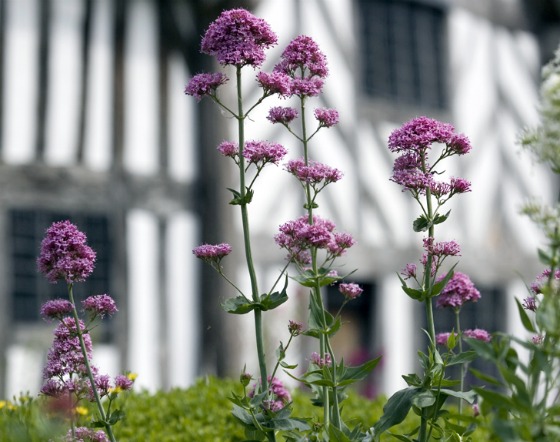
[69, 374]
[423, 145]
[238, 40]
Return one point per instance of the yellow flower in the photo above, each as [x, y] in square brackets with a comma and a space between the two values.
[132, 376]
[115, 390]
[82, 411]
[3, 404]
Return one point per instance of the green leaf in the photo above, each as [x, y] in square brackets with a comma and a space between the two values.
[544, 257]
[469, 396]
[421, 224]
[496, 399]
[273, 300]
[438, 219]
[424, 399]
[238, 199]
[360, 372]
[462, 358]
[525, 320]
[238, 305]
[412, 293]
[413, 380]
[243, 415]
[115, 416]
[439, 286]
[337, 435]
[485, 377]
[395, 410]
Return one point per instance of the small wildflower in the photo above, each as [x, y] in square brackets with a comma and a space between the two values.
[279, 395]
[275, 83]
[443, 248]
[84, 434]
[478, 334]
[537, 339]
[205, 84]
[295, 328]
[409, 271]
[82, 411]
[65, 254]
[458, 290]
[263, 152]
[228, 149]
[132, 376]
[350, 290]
[443, 338]
[284, 115]
[303, 56]
[460, 185]
[530, 303]
[319, 361]
[239, 38]
[245, 378]
[123, 382]
[212, 253]
[313, 172]
[475, 409]
[56, 309]
[99, 305]
[419, 134]
[306, 87]
[326, 117]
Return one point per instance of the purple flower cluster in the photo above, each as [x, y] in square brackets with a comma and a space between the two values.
[228, 149]
[212, 253]
[295, 328]
[326, 117]
[238, 38]
[84, 434]
[56, 309]
[275, 83]
[409, 271]
[478, 334]
[99, 306]
[530, 303]
[65, 370]
[303, 56]
[262, 152]
[319, 361]
[458, 290]
[299, 236]
[205, 84]
[313, 172]
[283, 115]
[350, 290]
[411, 169]
[279, 395]
[65, 254]
[443, 248]
[542, 280]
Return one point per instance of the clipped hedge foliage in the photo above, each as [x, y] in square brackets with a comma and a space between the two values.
[201, 413]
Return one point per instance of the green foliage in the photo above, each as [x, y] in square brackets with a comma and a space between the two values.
[202, 412]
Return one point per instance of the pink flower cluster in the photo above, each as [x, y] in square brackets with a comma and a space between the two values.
[84, 434]
[205, 84]
[326, 117]
[476, 333]
[56, 309]
[238, 38]
[299, 236]
[263, 152]
[275, 83]
[412, 170]
[279, 395]
[99, 306]
[458, 290]
[542, 280]
[313, 172]
[438, 251]
[283, 115]
[212, 253]
[65, 254]
[319, 361]
[350, 290]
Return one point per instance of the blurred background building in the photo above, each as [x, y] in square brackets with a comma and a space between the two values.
[94, 127]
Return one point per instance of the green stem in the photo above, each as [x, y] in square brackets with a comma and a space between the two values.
[462, 378]
[80, 334]
[247, 242]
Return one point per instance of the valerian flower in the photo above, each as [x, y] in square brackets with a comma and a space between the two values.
[205, 84]
[65, 254]
[238, 38]
[350, 290]
[212, 253]
[458, 290]
[99, 305]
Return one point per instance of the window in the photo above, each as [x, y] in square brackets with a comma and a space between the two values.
[29, 288]
[403, 52]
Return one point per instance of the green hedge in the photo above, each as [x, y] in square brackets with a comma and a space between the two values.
[201, 413]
